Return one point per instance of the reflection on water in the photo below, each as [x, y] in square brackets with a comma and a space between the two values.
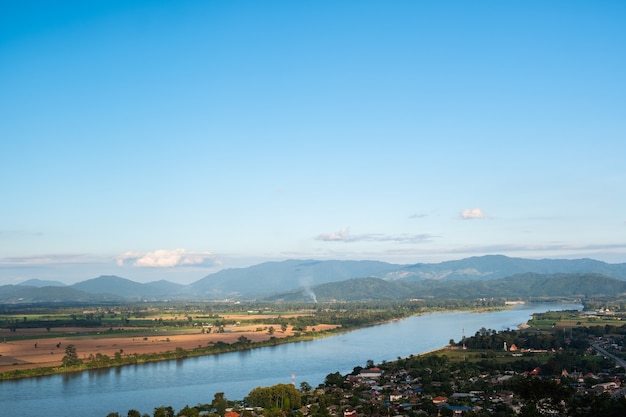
[243, 353]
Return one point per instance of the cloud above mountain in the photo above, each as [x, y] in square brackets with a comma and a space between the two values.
[166, 258]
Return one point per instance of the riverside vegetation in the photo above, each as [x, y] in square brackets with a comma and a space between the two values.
[562, 364]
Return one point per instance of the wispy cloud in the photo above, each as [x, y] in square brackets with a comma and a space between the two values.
[543, 247]
[18, 233]
[427, 253]
[343, 235]
[417, 215]
[548, 249]
[166, 258]
[50, 259]
[473, 213]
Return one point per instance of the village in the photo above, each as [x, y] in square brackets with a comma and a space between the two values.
[387, 390]
[530, 375]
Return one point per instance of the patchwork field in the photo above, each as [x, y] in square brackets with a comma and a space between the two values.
[39, 347]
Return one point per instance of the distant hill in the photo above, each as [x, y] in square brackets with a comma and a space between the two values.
[12, 294]
[127, 289]
[499, 266]
[277, 277]
[41, 283]
[524, 286]
[271, 277]
[529, 285]
[356, 289]
[354, 280]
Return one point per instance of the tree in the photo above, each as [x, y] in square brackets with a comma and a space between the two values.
[219, 403]
[281, 396]
[71, 357]
[164, 412]
[334, 379]
[189, 412]
[133, 413]
[180, 353]
[305, 387]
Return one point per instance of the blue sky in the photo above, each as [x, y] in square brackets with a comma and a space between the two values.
[170, 139]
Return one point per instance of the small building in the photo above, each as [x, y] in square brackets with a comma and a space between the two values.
[371, 373]
[395, 396]
[459, 409]
[349, 412]
[440, 400]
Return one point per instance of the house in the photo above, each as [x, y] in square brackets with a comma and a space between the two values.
[395, 396]
[606, 386]
[349, 412]
[459, 409]
[371, 373]
[439, 400]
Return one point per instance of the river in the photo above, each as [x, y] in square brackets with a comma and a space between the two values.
[193, 381]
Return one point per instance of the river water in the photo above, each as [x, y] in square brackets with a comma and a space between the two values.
[193, 381]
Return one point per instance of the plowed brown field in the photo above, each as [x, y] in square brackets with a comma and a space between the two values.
[43, 350]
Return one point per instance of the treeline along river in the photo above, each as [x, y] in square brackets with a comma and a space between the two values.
[192, 381]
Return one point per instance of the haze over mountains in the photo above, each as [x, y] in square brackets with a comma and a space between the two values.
[312, 280]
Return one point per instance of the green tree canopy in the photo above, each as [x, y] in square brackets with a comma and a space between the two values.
[189, 412]
[164, 412]
[219, 403]
[71, 356]
[281, 396]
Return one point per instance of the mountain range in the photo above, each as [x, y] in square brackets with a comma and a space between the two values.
[483, 276]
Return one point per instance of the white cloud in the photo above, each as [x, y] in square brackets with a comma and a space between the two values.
[474, 213]
[343, 235]
[166, 258]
